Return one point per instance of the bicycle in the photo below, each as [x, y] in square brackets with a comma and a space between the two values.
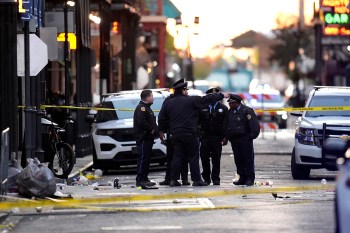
[62, 156]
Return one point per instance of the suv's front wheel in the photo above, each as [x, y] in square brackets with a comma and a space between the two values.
[299, 172]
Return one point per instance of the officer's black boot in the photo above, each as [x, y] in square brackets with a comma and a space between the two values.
[250, 181]
[241, 181]
[174, 183]
[165, 182]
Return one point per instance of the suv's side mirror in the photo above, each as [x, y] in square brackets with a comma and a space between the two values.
[298, 114]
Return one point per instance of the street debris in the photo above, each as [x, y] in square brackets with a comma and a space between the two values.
[80, 180]
[266, 183]
[98, 173]
[13, 172]
[58, 194]
[36, 180]
[275, 195]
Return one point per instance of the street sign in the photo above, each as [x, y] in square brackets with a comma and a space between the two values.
[38, 54]
[27, 6]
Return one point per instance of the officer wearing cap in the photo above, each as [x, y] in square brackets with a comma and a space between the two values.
[242, 126]
[170, 154]
[146, 129]
[211, 131]
[181, 113]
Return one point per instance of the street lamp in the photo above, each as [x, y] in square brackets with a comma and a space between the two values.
[188, 63]
[68, 121]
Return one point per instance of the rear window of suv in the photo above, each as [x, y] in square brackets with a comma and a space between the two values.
[125, 109]
[324, 101]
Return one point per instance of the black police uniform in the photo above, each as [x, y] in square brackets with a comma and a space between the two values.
[181, 113]
[211, 124]
[170, 155]
[242, 126]
[144, 124]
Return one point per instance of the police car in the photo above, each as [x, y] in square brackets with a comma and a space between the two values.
[112, 130]
[314, 127]
[268, 99]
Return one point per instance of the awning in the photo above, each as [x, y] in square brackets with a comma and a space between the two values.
[170, 10]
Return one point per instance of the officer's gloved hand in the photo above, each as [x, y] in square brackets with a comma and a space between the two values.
[162, 136]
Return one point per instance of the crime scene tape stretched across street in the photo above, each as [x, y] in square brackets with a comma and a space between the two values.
[323, 108]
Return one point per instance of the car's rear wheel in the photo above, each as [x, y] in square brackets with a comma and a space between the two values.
[299, 172]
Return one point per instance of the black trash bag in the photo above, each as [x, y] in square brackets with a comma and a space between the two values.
[36, 180]
[13, 173]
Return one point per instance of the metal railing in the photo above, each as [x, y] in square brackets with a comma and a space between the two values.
[4, 160]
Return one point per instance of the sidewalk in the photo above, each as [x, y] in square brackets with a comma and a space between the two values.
[280, 143]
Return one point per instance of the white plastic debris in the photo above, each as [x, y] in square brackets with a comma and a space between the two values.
[98, 173]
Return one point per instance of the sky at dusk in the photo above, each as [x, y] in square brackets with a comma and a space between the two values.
[222, 20]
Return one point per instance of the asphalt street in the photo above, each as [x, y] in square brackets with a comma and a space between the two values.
[285, 205]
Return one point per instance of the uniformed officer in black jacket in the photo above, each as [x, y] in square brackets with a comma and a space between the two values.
[170, 155]
[242, 126]
[211, 131]
[146, 129]
[181, 113]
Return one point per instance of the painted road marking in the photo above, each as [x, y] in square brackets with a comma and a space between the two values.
[140, 228]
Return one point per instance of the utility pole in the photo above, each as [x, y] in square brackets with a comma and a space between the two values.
[68, 121]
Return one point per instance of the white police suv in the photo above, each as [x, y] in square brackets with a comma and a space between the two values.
[112, 131]
[314, 127]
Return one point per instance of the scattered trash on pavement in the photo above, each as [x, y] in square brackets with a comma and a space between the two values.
[98, 173]
[266, 183]
[36, 180]
[13, 172]
[275, 195]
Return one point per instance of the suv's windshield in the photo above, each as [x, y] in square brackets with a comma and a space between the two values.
[127, 107]
[324, 101]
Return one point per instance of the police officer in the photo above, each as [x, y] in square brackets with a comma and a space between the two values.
[211, 125]
[170, 154]
[181, 113]
[242, 126]
[146, 129]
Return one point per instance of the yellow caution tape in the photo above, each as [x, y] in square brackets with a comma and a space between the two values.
[144, 197]
[325, 108]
